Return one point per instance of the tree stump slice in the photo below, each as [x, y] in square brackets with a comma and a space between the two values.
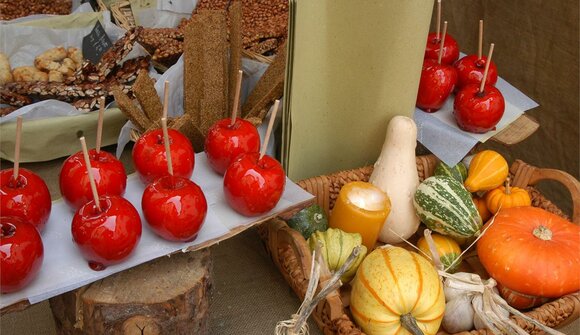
[169, 295]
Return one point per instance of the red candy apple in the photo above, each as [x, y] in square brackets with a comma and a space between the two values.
[225, 142]
[21, 253]
[26, 197]
[108, 171]
[109, 235]
[175, 208]
[450, 48]
[150, 160]
[470, 70]
[436, 84]
[478, 112]
[253, 186]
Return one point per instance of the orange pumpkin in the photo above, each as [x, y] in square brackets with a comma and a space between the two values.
[482, 208]
[518, 300]
[507, 197]
[532, 251]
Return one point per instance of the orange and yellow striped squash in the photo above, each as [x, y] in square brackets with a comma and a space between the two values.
[447, 248]
[396, 291]
[487, 170]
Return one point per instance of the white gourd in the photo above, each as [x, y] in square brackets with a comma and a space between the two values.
[395, 173]
[458, 315]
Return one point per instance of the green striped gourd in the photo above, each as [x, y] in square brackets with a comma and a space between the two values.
[457, 172]
[445, 206]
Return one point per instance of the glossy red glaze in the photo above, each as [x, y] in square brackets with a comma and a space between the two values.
[149, 155]
[108, 236]
[174, 208]
[450, 48]
[436, 84]
[225, 142]
[253, 186]
[21, 253]
[108, 171]
[478, 112]
[470, 71]
[27, 198]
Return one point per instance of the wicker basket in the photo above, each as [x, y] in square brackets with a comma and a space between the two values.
[291, 255]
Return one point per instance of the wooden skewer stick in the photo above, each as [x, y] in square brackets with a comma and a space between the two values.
[17, 147]
[269, 130]
[438, 18]
[487, 62]
[165, 98]
[90, 172]
[442, 42]
[237, 97]
[166, 142]
[480, 41]
[100, 124]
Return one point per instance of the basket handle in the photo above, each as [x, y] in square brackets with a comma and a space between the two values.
[525, 174]
[279, 233]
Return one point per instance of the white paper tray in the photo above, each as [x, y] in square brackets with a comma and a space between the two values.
[439, 132]
[64, 269]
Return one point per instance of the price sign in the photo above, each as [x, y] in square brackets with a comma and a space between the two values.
[96, 43]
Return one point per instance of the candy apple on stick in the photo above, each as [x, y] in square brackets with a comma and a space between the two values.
[23, 193]
[109, 173]
[470, 68]
[149, 155]
[254, 182]
[229, 138]
[436, 83]
[175, 207]
[21, 253]
[449, 48]
[479, 108]
[106, 229]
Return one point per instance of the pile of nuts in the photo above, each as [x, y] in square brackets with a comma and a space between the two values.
[165, 44]
[62, 74]
[264, 23]
[11, 9]
[264, 30]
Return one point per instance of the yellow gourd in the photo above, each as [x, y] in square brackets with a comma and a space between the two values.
[507, 197]
[336, 246]
[482, 208]
[487, 170]
[396, 291]
[447, 249]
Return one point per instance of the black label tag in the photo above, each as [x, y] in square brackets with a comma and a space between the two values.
[96, 43]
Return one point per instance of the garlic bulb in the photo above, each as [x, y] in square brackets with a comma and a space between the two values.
[449, 287]
[458, 315]
[452, 293]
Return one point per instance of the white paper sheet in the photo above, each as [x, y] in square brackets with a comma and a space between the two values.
[439, 132]
[64, 269]
[182, 6]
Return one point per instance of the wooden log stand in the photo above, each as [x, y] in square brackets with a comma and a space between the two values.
[169, 295]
